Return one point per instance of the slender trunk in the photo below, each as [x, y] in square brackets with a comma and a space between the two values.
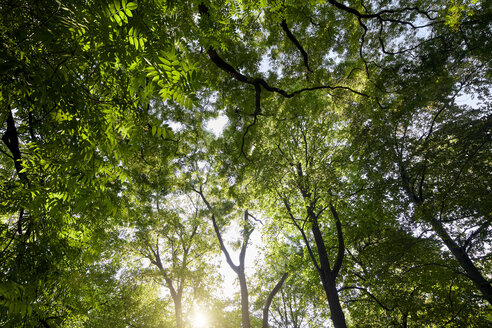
[404, 320]
[270, 297]
[458, 252]
[244, 298]
[464, 260]
[238, 269]
[327, 275]
[176, 293]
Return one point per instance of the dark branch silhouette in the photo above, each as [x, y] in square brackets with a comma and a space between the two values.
[298, 45]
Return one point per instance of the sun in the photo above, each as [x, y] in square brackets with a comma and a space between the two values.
[199, 319]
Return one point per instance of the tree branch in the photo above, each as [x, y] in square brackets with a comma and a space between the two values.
[217, 232]
[298, 45]
[341, 243]
[270, 297]
[303, 234]
[370, 295]
[223, 65]
[11, 140]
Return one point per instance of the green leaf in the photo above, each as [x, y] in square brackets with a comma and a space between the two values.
[165, 61]
[117, 4]
[118, 20]
[152, 73]
[123, 16]
[154, 130]
[131, 5]
[188, 103]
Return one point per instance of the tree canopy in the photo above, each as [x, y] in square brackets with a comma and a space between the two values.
[354, 163]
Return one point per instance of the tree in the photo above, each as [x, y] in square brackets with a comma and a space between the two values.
[302, 174]
[438, 146]
[344, 118]
[239, 269]
[301, 301]
[175, 243]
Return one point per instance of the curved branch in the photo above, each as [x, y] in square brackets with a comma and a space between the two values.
[217, 232]
[298, 45]
[269, 300]
[303, 234]
[378, 15]
[369, 294]
[247, 234]
[228, 68]
[255, 117]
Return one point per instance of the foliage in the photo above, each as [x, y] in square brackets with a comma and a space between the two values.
[358, 132]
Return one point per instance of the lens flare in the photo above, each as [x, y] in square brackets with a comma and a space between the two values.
[199, 319]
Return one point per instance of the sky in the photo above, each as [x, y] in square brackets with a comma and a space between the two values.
[216, 125]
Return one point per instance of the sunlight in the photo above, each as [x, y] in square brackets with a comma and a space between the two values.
[217, 125]
[199, 319]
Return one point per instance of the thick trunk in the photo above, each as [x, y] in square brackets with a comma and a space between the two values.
[464, 260]
[328, 278]
[178, 311]
[336, 312]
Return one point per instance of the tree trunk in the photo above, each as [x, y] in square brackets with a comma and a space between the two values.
[178, 311]
[336, 312]
[458, 252]
[464, 260]
[327, 277]
[270, 297]
[244, 298]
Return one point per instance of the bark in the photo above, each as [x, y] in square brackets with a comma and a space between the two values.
[328, 279]
[298, 45]
[11, 140]
[229, 69]
[341, 242]
[176, 295]
[459, 252]
[464, 260]
[327, 275]
[244, 298]
[404, 320]
[178, 311]
[269, 300]
[238, 269]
